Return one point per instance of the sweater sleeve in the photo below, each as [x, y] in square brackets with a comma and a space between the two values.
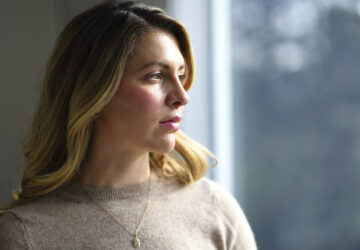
[12, 233]
[239, 234]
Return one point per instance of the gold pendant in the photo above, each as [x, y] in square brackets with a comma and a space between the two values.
[136, 242]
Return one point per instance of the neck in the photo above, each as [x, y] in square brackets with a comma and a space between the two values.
[112, 166]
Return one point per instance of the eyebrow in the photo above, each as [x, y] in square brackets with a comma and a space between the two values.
[161, 64]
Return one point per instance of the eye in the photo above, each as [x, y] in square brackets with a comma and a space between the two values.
[182, 77]
[156, 76]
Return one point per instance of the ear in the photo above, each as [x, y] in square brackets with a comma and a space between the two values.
[98, 112]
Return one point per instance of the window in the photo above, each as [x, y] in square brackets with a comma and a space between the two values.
[296, 86]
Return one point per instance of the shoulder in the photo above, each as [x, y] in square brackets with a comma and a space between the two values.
[46, 210]
[220, 197]
[13, 234]
[223, 198]
[229, 210]
[28, 212]
[24, 226]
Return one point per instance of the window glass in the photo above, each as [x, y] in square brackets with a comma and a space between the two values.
[297, 87]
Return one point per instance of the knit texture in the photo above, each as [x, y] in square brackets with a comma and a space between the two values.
[201, 215]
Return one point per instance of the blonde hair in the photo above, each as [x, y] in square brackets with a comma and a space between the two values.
[82, 75]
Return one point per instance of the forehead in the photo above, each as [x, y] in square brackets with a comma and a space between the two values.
[157, 46]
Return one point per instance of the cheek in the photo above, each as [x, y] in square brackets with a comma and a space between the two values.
[146, 100]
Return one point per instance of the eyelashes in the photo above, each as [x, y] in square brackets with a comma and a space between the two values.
[160, 76]
[182, 77]
[157, 76]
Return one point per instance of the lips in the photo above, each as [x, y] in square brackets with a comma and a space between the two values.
[173, 119]
[172, 123]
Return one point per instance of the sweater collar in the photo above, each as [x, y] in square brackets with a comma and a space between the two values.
[118, 193]
[160, 186]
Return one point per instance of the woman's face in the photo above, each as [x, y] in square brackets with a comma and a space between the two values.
[150, 93]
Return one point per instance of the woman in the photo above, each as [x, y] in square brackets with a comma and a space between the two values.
[106, 165]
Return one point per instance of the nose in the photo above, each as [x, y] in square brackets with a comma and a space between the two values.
[177, 96]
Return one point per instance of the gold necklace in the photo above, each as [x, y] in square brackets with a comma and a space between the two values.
[136, 241]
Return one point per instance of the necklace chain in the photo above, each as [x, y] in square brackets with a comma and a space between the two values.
[136, 241]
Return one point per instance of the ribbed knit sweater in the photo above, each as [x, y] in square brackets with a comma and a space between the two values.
[201, 215]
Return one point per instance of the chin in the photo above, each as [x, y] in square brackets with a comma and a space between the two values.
[164, 150]
[165, 146]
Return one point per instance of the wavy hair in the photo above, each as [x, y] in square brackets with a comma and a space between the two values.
[82, 75]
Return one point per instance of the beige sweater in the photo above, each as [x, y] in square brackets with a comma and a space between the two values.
[201, 215]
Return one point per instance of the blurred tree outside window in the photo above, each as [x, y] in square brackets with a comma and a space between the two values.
[297, 67]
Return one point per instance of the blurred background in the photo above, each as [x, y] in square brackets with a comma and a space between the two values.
[276, 97]
[297, 65]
